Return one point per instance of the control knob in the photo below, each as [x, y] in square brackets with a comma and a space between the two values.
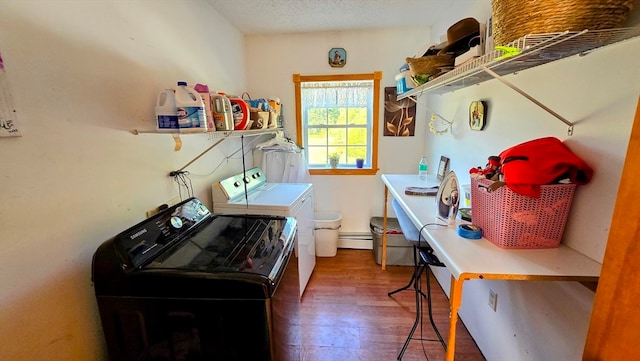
[175, 222]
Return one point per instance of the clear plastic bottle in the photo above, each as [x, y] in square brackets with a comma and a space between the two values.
[422, 168]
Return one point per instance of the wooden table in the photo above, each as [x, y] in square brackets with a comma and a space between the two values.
[480, 259]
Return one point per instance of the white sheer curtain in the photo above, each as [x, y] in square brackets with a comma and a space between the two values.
[336, 94]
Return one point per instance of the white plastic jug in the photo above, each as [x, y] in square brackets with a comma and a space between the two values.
[166, 112]
[222, 112]
[190, 109]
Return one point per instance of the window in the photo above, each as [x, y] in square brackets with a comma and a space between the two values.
[337, 115]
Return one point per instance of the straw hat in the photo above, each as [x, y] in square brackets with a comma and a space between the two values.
[428, 65]
[458, 36]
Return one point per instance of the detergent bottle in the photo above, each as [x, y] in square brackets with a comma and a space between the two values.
[222, 112]
[240, 111]
[190, 108]
[166, 112]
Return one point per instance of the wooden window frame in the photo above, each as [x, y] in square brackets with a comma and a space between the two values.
[376, 77]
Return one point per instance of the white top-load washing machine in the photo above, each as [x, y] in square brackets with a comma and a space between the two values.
[249, 193]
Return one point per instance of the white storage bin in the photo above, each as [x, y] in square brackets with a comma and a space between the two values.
[327, 225]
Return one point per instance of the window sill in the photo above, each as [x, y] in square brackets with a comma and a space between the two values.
[343, 171]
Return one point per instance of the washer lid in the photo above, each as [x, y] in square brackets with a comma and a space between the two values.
[231, 244]
[277, 194]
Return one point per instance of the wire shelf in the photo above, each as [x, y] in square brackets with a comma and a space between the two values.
[535, 49]
[219, 134]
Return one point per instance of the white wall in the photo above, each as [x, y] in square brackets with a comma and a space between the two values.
[82, 74]
[273, 59]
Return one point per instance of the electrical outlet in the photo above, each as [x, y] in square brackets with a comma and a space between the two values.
[169, 203]
[493, 300]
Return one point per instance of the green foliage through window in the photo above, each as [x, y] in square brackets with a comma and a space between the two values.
[337, 118]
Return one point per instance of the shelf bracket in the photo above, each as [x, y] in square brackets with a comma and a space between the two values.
[224, 135]
[532, 99]
[220, 136]
[173, 173]
[413, 98]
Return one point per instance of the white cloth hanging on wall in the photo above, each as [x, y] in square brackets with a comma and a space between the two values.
[285, 167]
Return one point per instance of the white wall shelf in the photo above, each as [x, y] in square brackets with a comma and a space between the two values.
[534, 50]
[219, 134]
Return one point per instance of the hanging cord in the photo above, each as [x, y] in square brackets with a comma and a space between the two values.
[244, 173]
[172, 173]
[183, 180]
[230, 156]
[201, 154]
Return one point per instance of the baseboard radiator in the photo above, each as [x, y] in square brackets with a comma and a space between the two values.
[355, 240]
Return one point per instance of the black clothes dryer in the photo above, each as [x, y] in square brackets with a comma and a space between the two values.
[186, 284]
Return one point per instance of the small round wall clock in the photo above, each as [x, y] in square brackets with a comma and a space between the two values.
[337, 57]
[477, 111]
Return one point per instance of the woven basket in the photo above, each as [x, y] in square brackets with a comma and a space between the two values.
[511, 220]
[428, 64]
[513, 19]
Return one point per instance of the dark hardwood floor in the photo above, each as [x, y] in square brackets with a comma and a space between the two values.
[347, 315]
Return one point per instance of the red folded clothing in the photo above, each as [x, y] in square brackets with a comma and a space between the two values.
[541, 161]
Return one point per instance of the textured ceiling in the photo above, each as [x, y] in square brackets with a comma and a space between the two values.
[253, 17]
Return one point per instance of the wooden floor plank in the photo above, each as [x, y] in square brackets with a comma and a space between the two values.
[348, 316]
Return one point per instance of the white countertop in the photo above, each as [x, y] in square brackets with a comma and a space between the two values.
[481, 258]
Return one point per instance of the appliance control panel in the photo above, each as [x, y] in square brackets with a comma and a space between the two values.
[235, 187]
[142, 242]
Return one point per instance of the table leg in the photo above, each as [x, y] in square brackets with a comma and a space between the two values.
[384, 229]
[455, 300]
